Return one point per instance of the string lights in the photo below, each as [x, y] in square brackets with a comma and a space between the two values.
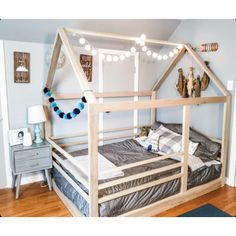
[139, 46]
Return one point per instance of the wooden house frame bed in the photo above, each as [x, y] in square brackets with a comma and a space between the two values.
[94, 108]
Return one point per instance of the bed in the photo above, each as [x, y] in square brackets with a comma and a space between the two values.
[151, 183]
[130, 151]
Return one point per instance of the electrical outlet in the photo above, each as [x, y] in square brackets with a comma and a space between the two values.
[230, 85]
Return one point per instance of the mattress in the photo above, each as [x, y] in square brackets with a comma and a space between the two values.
[126, 152]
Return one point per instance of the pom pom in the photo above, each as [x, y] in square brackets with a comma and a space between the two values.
[48, 94]
[56, 108]
[73, 115]
[84, 100]
[68, 116]
[45, 90]
[51, 99]
[65, 117]
[58, 111]
[149, 148]
[81, 106]
[61, 114]
[54, 104]
[76, 111]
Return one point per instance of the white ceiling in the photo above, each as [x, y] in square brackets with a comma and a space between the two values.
[43, 31]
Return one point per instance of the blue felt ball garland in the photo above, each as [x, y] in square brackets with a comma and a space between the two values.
[67, 116]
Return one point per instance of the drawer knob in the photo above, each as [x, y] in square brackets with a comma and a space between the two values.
[34, 165]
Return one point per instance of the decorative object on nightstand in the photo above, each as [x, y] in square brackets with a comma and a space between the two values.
[30, 159]
[16, 136]
[36, 115]
[27, 139]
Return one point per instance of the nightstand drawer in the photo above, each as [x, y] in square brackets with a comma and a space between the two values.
[32, 154]
[33, 164]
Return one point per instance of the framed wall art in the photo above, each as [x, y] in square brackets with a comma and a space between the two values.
[21, 67]
[86, 62]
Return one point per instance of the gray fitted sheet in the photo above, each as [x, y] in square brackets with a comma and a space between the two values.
[126, 152]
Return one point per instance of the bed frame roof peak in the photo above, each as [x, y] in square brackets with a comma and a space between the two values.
[62, 39]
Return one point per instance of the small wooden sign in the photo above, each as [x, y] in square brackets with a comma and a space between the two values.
[86, 62]
[21, 67]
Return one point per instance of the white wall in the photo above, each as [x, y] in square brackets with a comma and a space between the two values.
[3, 179]
[21, 96]
[206, 118]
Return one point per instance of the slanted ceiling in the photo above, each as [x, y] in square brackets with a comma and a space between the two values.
[43, 31]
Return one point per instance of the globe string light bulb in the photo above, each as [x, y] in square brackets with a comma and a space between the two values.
[137, 41]
[122, 57]
[109, 58]
[176, 51]
[165, 57]
[82, 41]
[127, 54]
[143, 37]
[115, 58]
[144, 48]
[159, 57]
[154, 55]
[149, 52]
[142, 43]
[133, 49]
[87, 47]
[171, 54]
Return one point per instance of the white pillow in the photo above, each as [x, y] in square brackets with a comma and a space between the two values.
[170, 142]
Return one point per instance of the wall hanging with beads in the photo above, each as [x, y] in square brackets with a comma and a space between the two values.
[190, 86]
[67, 116]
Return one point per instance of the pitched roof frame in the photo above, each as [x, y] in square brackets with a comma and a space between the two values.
[62, 39]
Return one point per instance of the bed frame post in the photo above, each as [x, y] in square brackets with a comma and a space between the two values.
[93, 159]
[153, 110]
[185, 147]
[225, 137]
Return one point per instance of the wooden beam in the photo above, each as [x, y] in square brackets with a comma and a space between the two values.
[78, 70]
[139, 188]
[143, 162]
[202, 64]
[113, 137]
[185, 147]
[67, 155]
[169, 69]
[70, 180]
[93, 159]
[53, 63]
[119, 37]
[145, 104]
[153, 110]
[81, 134]
[174, 200]
[67, 96]
[138, 176]
[225, 137]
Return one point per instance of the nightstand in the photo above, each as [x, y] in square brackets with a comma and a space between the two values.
[36, 157]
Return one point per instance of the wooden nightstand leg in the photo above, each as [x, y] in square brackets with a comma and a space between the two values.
[49, 179]
[13, 181]
[18, 186]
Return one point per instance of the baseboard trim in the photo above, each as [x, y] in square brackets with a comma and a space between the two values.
[230, 182]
